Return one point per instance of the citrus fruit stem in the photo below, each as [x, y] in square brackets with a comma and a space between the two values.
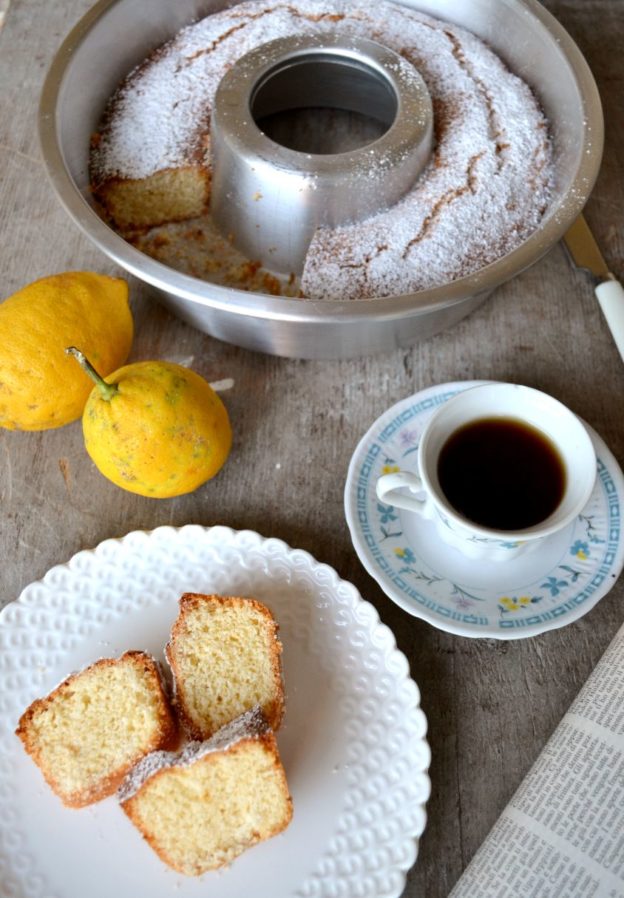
[107, 390]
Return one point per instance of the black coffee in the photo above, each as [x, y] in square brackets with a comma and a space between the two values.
[501, 473]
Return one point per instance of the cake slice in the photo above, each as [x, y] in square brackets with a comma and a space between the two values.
[92, 729]
[225, 656]
[174, 194]
[201, 808]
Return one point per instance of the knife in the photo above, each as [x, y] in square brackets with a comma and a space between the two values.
[585, 253]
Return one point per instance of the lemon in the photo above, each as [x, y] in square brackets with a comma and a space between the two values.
[155, 428]
[40, 387]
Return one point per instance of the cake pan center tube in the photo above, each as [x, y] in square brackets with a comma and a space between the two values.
[268, 199]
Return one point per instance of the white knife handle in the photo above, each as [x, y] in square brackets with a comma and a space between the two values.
[611, 298]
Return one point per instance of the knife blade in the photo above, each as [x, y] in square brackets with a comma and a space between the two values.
[585, 254]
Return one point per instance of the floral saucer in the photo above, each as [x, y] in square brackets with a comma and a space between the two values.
[553, 585]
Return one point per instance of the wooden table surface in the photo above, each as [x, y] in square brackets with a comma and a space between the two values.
[491, 705]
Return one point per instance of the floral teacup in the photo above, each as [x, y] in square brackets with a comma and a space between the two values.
[422, 494]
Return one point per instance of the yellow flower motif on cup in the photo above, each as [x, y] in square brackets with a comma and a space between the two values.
[390, 469]
[514, 604]
[580, 550]
[405, 555]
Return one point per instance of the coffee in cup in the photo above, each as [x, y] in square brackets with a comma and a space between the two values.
[500, 468]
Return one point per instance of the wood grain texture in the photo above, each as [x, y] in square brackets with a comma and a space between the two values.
[491, 705]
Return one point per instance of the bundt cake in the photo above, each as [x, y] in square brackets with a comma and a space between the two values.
[483, 193]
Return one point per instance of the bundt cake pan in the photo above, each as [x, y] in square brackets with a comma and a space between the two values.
[304, 191]
[117, 34]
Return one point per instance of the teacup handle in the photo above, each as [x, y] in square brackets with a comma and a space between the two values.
[389, 490]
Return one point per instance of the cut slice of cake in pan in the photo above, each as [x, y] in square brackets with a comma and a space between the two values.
[201, 808]
[225, 656]
[92, 729]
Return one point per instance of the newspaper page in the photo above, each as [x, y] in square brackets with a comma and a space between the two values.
[562, 834]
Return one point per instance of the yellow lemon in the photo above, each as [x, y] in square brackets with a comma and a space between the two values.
[40, 387]
[155, 428]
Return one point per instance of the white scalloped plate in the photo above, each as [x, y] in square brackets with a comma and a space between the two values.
[352, 742]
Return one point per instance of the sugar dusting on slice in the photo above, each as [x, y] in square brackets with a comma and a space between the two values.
[251, 724]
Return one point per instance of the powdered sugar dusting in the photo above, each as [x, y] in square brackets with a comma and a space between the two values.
[249, 725]
[484, 192]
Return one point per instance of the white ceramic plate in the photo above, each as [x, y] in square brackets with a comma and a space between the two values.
[352, 742]
[549, 587]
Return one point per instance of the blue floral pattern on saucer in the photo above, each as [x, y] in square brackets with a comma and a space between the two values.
[547, 588]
